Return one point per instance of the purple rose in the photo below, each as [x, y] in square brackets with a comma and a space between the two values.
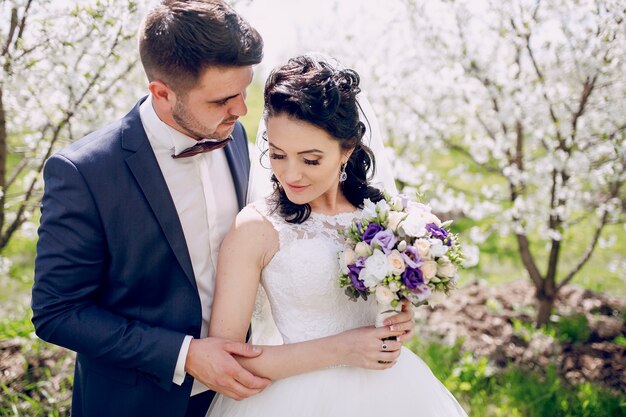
[354, 277]
[385, 239]
[438, 233]
[412, 278]
[371, 231]
[411, 257]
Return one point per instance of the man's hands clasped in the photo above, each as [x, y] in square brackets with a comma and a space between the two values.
[211, 361]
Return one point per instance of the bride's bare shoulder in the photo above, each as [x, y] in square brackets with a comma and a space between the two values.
[252, 217]
[254, 232]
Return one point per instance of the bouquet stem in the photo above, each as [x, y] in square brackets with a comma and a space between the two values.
[384, 311]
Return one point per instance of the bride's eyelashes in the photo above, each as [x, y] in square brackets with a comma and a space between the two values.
[306, 161]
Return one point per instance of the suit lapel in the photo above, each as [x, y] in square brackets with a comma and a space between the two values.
[237, 162]
[145, 169]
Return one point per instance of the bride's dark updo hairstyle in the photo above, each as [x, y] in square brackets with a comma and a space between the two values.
[315, 92]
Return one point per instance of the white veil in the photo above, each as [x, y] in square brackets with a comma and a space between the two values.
[264, 331]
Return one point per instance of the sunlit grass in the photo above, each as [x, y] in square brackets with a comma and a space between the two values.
[514, 392]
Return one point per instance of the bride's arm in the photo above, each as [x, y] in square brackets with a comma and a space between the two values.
[247, 248]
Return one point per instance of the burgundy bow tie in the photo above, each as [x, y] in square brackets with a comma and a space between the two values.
[203, 147]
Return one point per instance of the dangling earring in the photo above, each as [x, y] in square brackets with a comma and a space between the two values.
[343, 175]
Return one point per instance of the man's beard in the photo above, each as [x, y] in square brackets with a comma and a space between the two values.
[192, 126]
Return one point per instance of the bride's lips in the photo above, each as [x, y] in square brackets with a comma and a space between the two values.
[296, 188]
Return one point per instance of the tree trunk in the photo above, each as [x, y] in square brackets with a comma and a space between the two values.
[546, 295]
[3, 161]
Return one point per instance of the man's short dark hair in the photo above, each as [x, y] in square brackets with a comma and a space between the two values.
[179, 39]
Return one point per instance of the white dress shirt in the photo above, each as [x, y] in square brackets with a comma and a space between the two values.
[204, 195]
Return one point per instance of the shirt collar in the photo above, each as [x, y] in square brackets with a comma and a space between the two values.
[161, 132]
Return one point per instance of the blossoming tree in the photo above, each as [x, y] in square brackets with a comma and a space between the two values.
[528, 99]
[61, 70]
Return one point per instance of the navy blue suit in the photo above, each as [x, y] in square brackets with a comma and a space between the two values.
[113, 276]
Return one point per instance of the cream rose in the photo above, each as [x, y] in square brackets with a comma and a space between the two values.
[397, 263]
[429, 270]
[362, 249]
[446, 269]
[423, 247]
[395, 218]
[347, 258]
[384, 295]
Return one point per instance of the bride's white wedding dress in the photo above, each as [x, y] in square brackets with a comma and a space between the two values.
[307, 303]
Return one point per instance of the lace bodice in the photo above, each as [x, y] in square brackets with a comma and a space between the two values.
[301, 280]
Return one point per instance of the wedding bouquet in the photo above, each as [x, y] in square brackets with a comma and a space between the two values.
[399, 250]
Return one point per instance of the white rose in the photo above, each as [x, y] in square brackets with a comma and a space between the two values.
[395, 217]
[397, 263]
[375, 270]
[348, 257]
[369, 209]
[446, 269]
[363, 249]
[429, 270]
[384, 295]
[397, 202]
[414, 225]
[437, 248]
[431, 218]
[423, 247]
[382, 207]
[414, 206]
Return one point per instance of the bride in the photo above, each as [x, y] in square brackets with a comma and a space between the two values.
[333, 362]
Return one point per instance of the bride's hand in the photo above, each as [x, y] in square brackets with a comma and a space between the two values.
[364, 347]
[402, 322]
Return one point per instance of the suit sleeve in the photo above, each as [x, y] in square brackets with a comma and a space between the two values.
[70, 271]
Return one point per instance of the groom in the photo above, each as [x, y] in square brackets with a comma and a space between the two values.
[132, 219]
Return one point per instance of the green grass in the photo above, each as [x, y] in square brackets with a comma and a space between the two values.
[514, 392]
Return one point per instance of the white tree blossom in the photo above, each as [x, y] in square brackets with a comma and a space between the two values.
[529, 96]
[65, 68]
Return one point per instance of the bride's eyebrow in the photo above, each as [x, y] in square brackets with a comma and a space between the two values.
[299, 153]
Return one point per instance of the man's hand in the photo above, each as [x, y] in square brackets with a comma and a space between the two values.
[211, 361]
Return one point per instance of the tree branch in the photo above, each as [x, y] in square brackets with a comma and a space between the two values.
[23, 23]
[528, 260]
[615, 192]
[588, 86]
[12, 27]
[587, 255]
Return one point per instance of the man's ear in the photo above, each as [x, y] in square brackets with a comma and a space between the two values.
[162, 94]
